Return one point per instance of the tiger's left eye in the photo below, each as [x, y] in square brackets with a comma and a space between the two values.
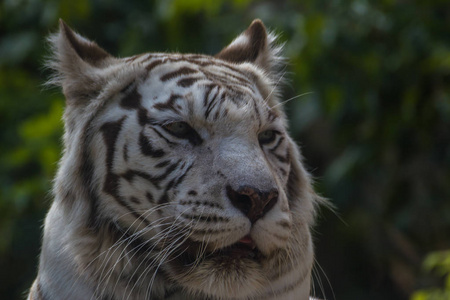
[178, 129]
[267, 137]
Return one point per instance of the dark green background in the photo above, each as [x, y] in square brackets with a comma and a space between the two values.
[374, 127]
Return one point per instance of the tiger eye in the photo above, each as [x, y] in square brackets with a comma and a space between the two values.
[183, 130]
[267, 136]
[178, 128]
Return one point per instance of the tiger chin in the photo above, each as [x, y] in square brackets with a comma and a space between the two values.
[178, 178]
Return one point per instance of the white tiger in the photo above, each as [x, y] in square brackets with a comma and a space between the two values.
[178, 178]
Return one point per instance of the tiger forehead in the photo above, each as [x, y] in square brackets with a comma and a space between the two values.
[189, 69]
[207, 102]
[181, 84]
[154, 60]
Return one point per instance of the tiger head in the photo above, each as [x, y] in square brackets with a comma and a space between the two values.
[187, 156]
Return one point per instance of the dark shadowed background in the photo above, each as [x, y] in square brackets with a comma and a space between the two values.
[374, 124]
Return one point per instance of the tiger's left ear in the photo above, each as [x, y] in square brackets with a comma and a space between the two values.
[254, 45]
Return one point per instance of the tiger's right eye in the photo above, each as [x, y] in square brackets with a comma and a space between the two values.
[182, 130]
[179, 129]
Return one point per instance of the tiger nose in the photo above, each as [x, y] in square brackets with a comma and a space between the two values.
[252, 202]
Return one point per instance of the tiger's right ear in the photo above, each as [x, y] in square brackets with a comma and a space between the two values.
[78, 65]
[255, 45]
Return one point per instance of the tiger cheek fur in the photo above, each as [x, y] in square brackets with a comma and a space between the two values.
[178, 179]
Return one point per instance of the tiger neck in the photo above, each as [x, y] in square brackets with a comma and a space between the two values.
[80, 262]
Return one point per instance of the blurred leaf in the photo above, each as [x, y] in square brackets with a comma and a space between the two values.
[15, 48]
[375, 130]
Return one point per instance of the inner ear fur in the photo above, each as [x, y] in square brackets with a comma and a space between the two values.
[86, 50]
[247, 46]
[255, 46]
[78, 64]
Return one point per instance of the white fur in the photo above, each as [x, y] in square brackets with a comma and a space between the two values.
[81, 261]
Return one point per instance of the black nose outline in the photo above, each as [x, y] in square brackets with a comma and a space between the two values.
[251, 201]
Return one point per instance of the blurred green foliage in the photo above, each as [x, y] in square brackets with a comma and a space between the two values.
[374, 123]
[440, 263]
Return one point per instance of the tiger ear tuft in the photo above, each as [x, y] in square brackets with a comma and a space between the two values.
[86, 50]
[254, 45]
[77, 63]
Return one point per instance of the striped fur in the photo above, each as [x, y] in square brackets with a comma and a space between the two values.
[178, 178]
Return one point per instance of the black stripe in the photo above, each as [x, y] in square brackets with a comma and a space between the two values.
[181, 178]
[133, 58]
[169, 104]
[258, 116]
[228, 78]
[280, 158]
[163, 199]
[111, 184]
[143, 117]
[162, 136]
[216, 115]
[130, 174]
[173, 184]
[110, 132]
[177, 73]
[162, 164]
[209, 88]
[169, 170]
[125, 152]
[132, 100]
[150, 198]
[155, 180]
[201, 203]
[135, 244]
[274, 148]
[168, 294]
[147, 149]
[110, 187]
[207, 219]
[222, 64]
[135, 200]
[153, 65]
[212, 104]
[127, 88]
[87, 170]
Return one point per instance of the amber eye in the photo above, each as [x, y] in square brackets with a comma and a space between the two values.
[267, 136]
[182, 130]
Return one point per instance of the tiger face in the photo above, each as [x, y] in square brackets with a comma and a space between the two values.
[181, 171]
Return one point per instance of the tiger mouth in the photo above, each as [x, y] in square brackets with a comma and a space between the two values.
[244, 248]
